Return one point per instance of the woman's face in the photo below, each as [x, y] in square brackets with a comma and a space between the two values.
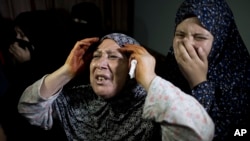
[108, 69]
[190, 31]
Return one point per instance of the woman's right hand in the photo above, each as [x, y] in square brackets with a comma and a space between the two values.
[75, 61]
[192, 62]
[21, 55]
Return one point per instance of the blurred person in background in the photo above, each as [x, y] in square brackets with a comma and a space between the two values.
[39, 38]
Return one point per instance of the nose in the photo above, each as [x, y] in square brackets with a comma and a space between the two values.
[188, 40]
[102, 63]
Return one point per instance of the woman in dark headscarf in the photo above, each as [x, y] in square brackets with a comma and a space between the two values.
[44, 31]
[210, 61]
[37, 49]
[114, 107]
[86, 21]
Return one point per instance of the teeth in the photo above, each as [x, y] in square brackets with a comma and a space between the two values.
[100, 78]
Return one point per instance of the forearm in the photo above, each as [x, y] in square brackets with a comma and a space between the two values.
[35, 108]
[55, 81]
[177, 112]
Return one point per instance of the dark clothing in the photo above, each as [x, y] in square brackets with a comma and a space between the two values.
[49, 52]
[226, 93]
[118, 118]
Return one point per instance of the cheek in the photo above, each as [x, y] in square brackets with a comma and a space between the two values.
[120, 78]
[207, 47]
[91, 68]
[91, 65]
[175, 42]
[120, 72]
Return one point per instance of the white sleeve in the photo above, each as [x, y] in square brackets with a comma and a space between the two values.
[35, 108]
[181, 116]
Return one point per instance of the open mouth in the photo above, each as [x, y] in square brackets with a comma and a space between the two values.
[100, 78]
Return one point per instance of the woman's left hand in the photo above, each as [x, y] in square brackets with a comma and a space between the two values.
[145, 68]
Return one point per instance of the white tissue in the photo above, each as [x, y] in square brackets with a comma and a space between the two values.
[132, 68]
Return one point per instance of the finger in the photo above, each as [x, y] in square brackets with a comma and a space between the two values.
[86, 42]
[136, 48]
[20, 49]
[126, 49]
[11, 48]
[130, 51]
[89, 40]
[14, 50]
[131, 48]
[202, 54]
[82, 44]
[191, 50]
[180, 51]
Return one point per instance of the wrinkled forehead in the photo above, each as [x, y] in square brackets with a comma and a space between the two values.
[108, 44]
[109, 47]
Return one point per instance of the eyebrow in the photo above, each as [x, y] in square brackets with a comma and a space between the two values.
[202, 34]
[108, 51]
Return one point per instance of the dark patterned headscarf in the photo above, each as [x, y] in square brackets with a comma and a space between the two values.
[225, 94]
[86, 20]
[229, 54]
[120, 39]
[86, 116]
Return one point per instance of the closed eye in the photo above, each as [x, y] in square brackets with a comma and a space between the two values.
[179, 35]
[113, 56]
[200, 38]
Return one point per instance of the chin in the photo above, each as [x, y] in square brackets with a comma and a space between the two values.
[104, 94]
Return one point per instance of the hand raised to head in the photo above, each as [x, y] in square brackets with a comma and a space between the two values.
[77, 59]
[145, 69]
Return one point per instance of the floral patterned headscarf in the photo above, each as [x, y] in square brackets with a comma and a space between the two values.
[227, 88]
[120, 38]
[95, 116]
[229, 55]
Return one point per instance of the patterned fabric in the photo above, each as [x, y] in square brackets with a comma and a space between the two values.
[127, 117]
[163, 113]
[91, 118]
[120, 39]
[226, 93]
[97, 116]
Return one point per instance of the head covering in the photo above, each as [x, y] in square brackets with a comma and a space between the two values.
[44, 29]
[120, 38]
[88, 12]
[217, 17]
[227, 88]
[116, 118]
[228, 54]
[86, 21]
[34, 24]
